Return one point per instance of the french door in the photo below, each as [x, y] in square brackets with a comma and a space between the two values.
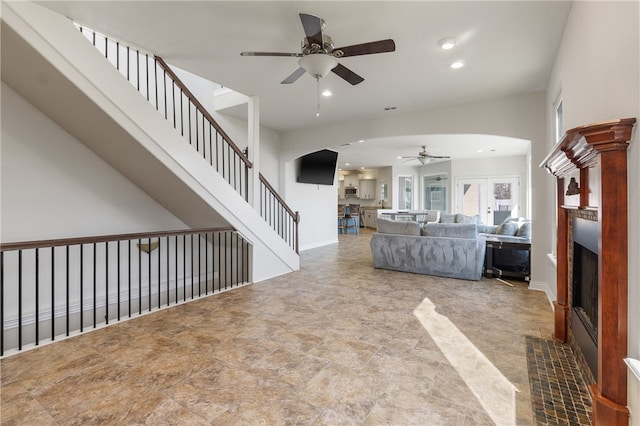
[494, 199]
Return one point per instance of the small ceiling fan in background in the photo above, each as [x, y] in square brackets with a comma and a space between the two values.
[319, 56]
[424, 157]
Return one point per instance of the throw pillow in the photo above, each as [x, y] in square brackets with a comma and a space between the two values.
[447, 218]
[524, 230]
[507, 228]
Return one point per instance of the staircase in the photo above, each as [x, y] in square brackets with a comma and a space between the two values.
[205, 182]
[158, 83]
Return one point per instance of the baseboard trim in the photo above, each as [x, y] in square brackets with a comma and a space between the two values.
[544, 287]
[320, 244]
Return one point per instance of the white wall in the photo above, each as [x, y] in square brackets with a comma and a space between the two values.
[317, 207]
[597, 70]
[55, 187]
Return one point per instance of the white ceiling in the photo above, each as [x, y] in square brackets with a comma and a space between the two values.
[508, 47]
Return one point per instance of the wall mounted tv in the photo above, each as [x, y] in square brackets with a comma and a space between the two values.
[318, 167]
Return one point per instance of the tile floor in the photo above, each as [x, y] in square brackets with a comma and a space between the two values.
[337, 342]
[558, 391]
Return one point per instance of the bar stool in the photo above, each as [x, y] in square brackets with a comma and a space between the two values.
[354, 213]
[342, 215]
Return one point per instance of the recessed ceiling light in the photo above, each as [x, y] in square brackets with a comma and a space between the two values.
[361, 167]
[479, 150]
[360, 141]
[447, 43]
[327, 93]
[346, 164]
[399, 157]
[457, 65]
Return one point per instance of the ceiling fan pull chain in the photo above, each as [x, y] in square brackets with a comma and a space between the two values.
[318, 96]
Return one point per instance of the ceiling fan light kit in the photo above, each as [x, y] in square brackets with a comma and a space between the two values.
[318, 65]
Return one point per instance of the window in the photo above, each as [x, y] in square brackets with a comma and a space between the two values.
[435, 193]
[384, 193]
[559, 124]
[405, 192]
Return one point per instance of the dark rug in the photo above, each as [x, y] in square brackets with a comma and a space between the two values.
[558, 392]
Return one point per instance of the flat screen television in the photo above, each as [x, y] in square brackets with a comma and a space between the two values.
[318, 167]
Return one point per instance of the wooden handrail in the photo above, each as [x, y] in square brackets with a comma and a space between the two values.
[203, 110]
[266, 183]
[26, 245]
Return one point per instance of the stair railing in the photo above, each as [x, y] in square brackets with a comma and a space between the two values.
[278, 215]
[157, 82]
[55, 288]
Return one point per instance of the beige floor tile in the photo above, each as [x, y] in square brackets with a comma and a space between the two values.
[337, 342]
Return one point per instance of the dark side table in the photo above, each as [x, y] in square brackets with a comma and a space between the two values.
[506, 258]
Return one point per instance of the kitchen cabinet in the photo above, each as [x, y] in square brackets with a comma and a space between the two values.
[371, 218]
[341, 190]
[367, 189]
[351, 181]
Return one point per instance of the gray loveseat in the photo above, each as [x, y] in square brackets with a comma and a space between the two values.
[452, 250]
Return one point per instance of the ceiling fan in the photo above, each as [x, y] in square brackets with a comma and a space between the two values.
[319, 56]
[424, 157]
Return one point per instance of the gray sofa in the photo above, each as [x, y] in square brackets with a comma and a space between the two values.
[513, 229]
[452, 250]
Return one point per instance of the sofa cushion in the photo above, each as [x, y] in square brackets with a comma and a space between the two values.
[398, 227]
[447, 218]
[429, 215]
[487, 229]
[463, 218]
[507, 228]
[450, 230]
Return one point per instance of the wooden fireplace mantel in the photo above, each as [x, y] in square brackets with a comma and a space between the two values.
[580, 149]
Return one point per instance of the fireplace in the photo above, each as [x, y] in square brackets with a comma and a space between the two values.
[584, 290]
[598, 153]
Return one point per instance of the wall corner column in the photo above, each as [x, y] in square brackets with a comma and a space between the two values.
[253, 145]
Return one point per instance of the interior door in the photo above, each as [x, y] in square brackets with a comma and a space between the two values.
[493, 198]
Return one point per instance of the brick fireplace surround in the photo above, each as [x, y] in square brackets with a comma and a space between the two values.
[602, 148]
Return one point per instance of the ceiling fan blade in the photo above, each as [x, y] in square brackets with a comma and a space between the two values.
[294, 76]
[380, 46]
[295, 55]
[312, 26]
[438, 156]
[347, 74]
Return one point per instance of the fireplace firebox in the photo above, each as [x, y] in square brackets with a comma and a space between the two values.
[584, 290]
